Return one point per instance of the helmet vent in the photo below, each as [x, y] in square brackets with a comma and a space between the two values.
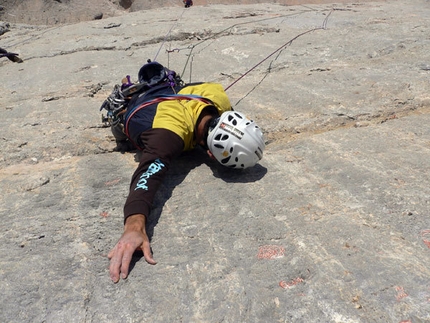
[259, 153]
[232, 119]
[236, 141]
[225, 160]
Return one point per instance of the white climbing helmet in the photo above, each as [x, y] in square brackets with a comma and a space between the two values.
[236, 141]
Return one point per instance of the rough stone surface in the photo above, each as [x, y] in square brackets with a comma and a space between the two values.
[52, 12]
[332, 226]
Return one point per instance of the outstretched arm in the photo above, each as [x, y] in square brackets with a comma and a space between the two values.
[133, 238]
[160, 147]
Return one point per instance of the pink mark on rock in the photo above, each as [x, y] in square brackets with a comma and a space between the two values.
[270, 252]
[113, 182]
[400, 293]
[425, 234]
[287, 285]
[104, 214]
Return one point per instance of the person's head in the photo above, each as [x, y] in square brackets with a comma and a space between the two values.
[234, 140]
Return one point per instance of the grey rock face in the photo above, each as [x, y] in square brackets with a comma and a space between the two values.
[54, 12]
[331, 226]
[4, 27]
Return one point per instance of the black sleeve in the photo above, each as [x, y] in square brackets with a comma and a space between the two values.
[161, 146]
[123, 144]
[118, 132]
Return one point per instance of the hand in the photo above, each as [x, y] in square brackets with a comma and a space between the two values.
[134, 238]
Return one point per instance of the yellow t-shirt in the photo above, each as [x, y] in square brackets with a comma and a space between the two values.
[180, 116]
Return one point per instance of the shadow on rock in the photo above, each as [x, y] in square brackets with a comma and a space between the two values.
[178, 171]
[248, 175]
[137, 255]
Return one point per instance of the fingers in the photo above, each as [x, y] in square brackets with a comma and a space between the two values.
[125, 264]
[120, 258]
[115, 257]
[147, 253]
[114, 266]
[111, 253]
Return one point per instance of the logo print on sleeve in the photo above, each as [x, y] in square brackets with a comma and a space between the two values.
[154, 168]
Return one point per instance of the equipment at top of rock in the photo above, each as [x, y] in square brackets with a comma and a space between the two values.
[187, 3]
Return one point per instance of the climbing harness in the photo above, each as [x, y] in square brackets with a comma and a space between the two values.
[151, 76]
